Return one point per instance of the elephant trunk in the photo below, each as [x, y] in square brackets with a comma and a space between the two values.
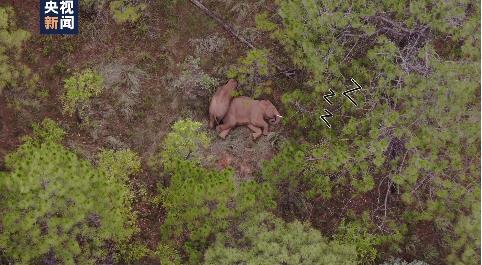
[276, 119]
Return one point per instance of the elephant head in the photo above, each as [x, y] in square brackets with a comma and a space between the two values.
[270, 112]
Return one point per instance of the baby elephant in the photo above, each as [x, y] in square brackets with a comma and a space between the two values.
[250, 112]
[220, 102]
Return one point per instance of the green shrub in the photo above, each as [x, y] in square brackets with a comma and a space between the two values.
[132, 253]
[357, 235]
[465, 242]
[265, 239]
[122, 11]
[57, 205]
[184, 143]
[79, 88]
[196, 202]
[47, 131]
[199, 202]
[252, 73]
[120, 164]
[168, 255]
[296, 179]
[12, 71]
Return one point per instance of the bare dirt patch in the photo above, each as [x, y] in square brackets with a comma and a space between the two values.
[241, 152]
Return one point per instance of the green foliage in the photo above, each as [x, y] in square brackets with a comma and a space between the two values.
[120, 164]
[263, 23]
[196, 202]
[123, 12]
[265, 239]
[417, 125]
[47, 131]
[296, 179]
[252, 73]
[184, 142]
[199, 202]
[79, 88]
[132, 253]
[57, 205]
[465, 242]
[357, 235]
[168, 255]
[11, 39]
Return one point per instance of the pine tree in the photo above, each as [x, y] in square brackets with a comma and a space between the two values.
[58, 206]
[416, 128]
[265, 239]
[199, 202]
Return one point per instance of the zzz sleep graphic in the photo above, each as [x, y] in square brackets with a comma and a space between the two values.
[332, 94]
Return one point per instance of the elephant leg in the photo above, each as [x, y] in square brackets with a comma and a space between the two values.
[256, 131]
[265, 126]
[224, 133]
[222, 127]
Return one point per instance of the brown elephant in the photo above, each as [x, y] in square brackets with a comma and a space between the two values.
[250, 112]
[220, 102]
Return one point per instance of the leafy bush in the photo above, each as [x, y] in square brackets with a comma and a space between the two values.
[47, 131]
[79, 88]
[122, 11]
[120, 164]
[296, 179]
[196, 202]
[265, 239]
[356, 234]
[168, 255]
[132, 252]
[58, 206]
[252, 73]
[183, 143]
[11, 40]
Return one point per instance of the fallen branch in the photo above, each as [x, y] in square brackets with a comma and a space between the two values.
[386, 197]
[233, 32]
[226, 27]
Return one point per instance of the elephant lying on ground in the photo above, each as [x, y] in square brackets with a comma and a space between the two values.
[250, 112]
[220, 102]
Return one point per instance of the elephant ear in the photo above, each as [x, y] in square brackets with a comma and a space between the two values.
[268, 107]
[266, 104]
